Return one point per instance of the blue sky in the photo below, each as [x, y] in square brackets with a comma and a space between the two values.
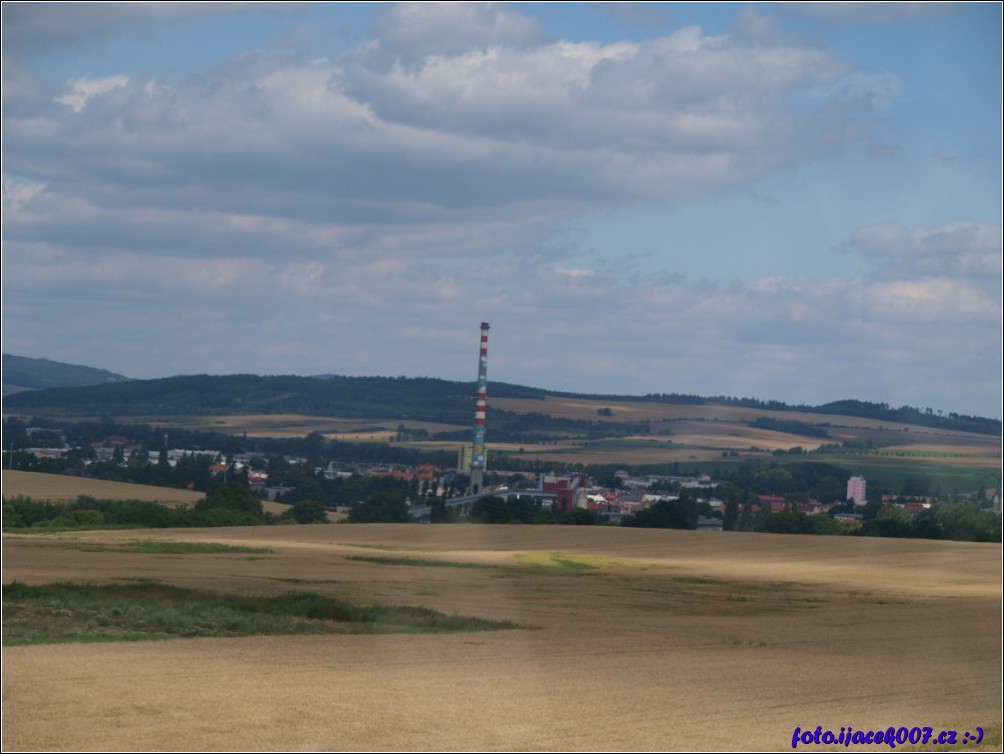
[799, 202]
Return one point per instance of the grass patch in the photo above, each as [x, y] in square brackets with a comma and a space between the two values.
[419, 562]
[43, 530]
[159, 547]
[83, 612]
[570, 564]
[170, 547]
[393, 548]
[549, 562]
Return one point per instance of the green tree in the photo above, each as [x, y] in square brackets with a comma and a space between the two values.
[381, 508]
[314, 446]
[870, 509]
[579, 517]
[830, 489]
[277, 470]
[747, 517]
[788, 521]
[966, 522]
[826, 525]
[305, 486]
[441, 513]
[491, 510]
[889, 521]
[981, 497]
[82, 517]
[730, 517]
[666, 514]
[309, 512]
[777, 480]
[231, 496]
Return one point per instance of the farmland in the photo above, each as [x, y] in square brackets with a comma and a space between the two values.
[704, 436]
[627, 639]
[413, 421]
[59, 488]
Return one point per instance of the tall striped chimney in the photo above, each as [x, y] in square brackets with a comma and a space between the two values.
[478, 452]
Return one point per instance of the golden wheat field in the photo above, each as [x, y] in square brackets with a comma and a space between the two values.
[59, 488]
[628, 640]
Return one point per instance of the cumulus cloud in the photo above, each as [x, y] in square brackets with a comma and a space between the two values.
[79, 91]
[931, 300]
[961, 248]
[557, 325]
[960, 237]
[320, 208]
[448, 28]
[506, 123]
[16, 193]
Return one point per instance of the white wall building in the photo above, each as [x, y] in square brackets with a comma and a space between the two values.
[857, 489]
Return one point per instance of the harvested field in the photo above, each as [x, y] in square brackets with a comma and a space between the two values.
[57, 488]
[705, 429]
[631, 411]
[630, 639]
[298, 425]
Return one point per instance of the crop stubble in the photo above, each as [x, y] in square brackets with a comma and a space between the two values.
[632, 639]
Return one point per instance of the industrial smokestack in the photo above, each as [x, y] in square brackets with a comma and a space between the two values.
[479, 455]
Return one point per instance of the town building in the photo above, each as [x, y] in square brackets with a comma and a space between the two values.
[857, 489]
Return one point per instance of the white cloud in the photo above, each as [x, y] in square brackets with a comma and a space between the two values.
[559, 123]
[955, 238]
[961, 248]
[17, 193]
[555, 325]
[452, 27]
[931, 300]
[79, 91]
[433, 177]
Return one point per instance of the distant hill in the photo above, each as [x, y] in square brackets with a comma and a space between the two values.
[392, 398]
[370, 397]
[21, 373]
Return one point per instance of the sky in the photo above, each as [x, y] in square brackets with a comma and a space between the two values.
[796, 202]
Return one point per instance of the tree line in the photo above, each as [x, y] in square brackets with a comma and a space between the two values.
[417, 398]
[229, 504]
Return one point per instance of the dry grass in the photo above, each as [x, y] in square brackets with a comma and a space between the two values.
[640, 639]
[57, 488]
[298, 425]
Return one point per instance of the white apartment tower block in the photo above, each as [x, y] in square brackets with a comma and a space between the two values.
[857, 490]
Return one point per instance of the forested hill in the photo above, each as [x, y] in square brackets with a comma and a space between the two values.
[422, 398]
[23, 373]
